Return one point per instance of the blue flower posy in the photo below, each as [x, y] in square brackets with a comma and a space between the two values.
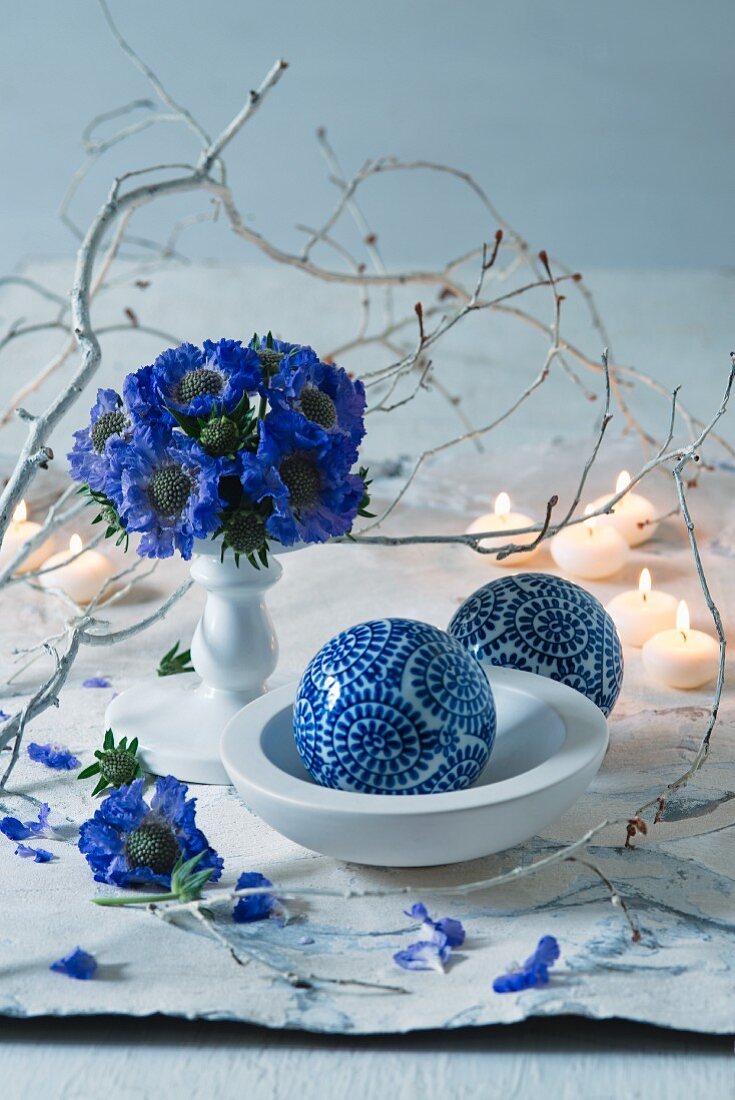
[130, 843]
[251, 443]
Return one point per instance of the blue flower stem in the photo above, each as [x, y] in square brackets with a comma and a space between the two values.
[138, 899]
[262, 408]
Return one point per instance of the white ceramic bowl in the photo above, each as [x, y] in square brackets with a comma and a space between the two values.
[550, 743]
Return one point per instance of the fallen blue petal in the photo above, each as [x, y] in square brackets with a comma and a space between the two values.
[4, 716]
[535, 970]
[14, 829]
[430, 954]
[451, 928]
[79, 964]
[256, 906]
[53, 756]
[96, 682]
[38, 855]
[418, 911]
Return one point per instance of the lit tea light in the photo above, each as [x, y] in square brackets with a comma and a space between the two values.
[502, 519]
[682, 658]
[639, 614]
[82, 577]
[20, 530]
[588, 550]
[632, 516]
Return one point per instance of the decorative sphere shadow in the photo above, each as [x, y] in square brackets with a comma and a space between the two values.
[544, 624]
[394, 706]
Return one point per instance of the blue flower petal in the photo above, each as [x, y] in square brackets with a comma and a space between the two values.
[53, 756]
[78, 964]
[452, 929]
[535, 970]
[38, 855]
[448, 926]
[14, 829]
[430, 954]
[257, 906]
[96, 682]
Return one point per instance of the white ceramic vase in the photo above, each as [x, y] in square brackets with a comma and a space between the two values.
[178, 720]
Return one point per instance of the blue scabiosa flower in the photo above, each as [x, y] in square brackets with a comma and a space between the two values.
[165, 486]
[14, 829]
[78, 964]
[535, 970]
[305, 473]
[110, 424]
[323, 393]
[128, 842]
[53, 756]
[255, 907]
[193, 382]
[278, 355]
[143, 399]
[38, 855]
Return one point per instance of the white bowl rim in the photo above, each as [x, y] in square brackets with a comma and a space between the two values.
[586, 739]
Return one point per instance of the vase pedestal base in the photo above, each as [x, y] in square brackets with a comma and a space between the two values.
[178, 726]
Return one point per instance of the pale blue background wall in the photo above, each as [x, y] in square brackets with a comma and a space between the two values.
[603, 130]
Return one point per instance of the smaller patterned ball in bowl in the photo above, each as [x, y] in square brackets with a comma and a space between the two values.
[544, 624]
[394, 706]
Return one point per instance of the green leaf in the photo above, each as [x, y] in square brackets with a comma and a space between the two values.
[93, 769]
[188, 424]
[174, 663]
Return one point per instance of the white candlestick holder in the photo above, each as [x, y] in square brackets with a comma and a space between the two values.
[178, 720]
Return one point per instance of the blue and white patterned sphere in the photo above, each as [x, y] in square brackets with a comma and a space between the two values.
[394, 706]
[544, 624]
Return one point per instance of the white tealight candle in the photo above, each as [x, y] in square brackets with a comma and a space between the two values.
[682, 658]
[589, 551]
[20, 530]
[632, 516]
[503, 520]
[81, 578]
[640, 614]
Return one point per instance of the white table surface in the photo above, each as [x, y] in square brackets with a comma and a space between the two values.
[676, 323]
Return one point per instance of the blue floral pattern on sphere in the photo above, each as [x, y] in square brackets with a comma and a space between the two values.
[394, 706]
[544, 624]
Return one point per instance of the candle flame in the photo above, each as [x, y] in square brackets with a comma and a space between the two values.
[502, 505]
[644, 583]
[682, 617]
[623, 481]
[590, 523]
[21, 513]
[75, 544]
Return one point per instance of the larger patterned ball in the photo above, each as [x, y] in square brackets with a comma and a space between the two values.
[394, 706]
[547, 625]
